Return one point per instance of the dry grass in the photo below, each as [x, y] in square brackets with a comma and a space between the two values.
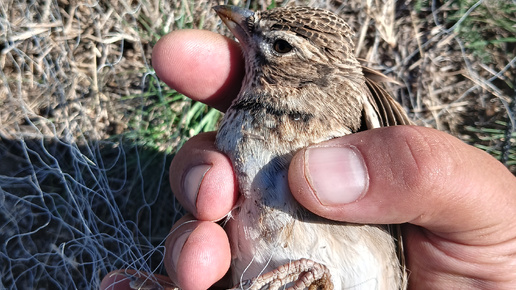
[77, 70]
[78, 74]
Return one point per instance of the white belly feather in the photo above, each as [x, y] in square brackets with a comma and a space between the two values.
[266, 230]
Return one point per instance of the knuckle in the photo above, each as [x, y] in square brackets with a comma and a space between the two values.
[426, 159]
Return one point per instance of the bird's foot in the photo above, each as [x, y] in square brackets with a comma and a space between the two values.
[298, 275]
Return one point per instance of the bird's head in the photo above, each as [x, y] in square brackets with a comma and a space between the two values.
[299, 59]
[300, 62]
[293, 46]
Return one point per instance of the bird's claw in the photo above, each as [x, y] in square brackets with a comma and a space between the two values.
[297, 275]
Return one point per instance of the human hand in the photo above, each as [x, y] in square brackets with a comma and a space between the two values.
[457, 204]
[204, 66]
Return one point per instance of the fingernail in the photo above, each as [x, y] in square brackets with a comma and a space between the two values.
[178, 247]
[337, 175]
[192, 183]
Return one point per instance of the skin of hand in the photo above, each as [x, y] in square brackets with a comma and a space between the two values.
[457, 203]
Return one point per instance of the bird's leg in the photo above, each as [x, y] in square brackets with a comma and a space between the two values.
[304, 274]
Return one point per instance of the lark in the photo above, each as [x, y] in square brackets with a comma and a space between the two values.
[302, 85]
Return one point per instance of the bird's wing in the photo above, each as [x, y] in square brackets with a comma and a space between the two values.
[377, 76]
[380, 109]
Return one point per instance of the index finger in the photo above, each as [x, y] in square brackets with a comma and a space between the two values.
[200, 64]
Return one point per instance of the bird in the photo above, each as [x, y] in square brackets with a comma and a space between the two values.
[302, 85]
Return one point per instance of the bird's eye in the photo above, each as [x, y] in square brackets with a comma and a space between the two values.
[281, 46]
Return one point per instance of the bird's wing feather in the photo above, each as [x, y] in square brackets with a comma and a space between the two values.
[377, 76]
[381, 110]
[382, 105]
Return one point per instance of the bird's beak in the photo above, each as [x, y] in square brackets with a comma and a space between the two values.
[238, 20]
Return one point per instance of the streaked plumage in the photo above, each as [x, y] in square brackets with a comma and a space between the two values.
[302, 86]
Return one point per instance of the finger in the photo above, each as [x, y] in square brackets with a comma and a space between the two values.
[408, 174]
[202, 179]
[198, 253]
[200, 64]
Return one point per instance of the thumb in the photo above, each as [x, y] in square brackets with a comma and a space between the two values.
[405, 174]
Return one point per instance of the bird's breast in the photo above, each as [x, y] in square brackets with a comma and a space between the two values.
[269, 228]
[259, 156]
[266, 208]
